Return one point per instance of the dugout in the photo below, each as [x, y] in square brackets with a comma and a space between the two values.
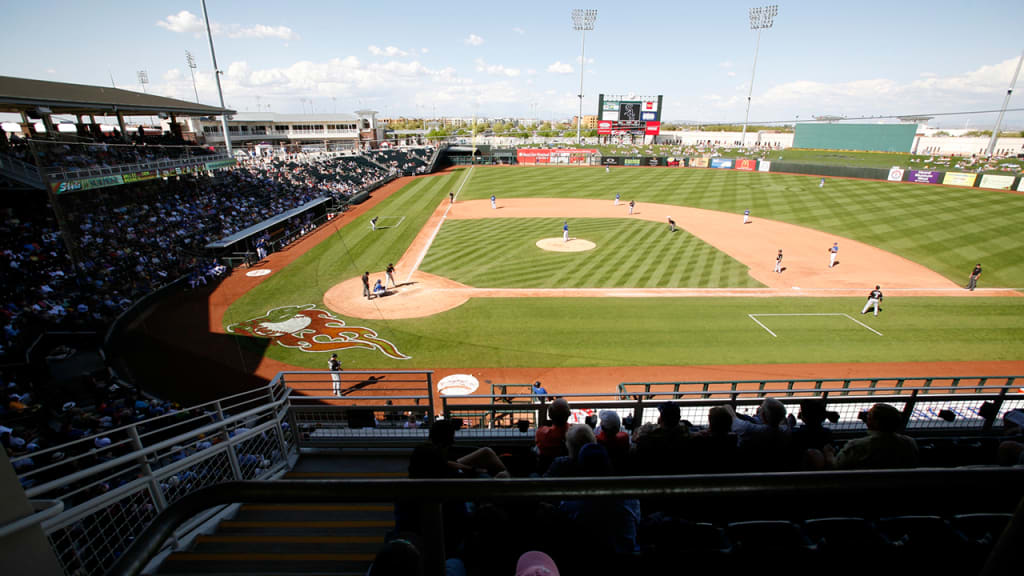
[282, 229]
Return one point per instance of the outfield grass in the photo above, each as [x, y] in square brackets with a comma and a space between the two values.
[946, 229]
[502, 253]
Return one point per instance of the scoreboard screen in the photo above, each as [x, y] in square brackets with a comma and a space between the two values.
[635, 115]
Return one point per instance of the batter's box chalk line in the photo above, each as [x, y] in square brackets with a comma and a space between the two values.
[847, 316]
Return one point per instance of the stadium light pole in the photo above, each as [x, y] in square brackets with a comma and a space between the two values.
[1006, 102]
[582, 20]
[761, 18]
[191, 61]
[216, 75]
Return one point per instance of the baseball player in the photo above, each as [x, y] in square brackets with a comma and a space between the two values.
[616, 198]
[451, 198]
[607, 169]
[874, 299]
[390, 272]
[366, 285]
[335, 366]
[746, 216]
[973, 282]
[778, 262]
[373, 223]
[821, 184]
[671, 224]
[632, 204]
[565, 231]
[833, 253]
[493, 202]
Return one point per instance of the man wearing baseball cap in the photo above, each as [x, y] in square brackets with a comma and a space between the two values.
[536, 563]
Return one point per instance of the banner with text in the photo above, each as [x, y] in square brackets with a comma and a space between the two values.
[701, 162]
[86, 184]
[764, 166]
[924, 176]
[959, 179]
[553, 155]
[997, 182]
[725, 163]
[895, 174]
[746, 164]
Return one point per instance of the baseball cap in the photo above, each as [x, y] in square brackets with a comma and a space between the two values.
[102, 442]
[610, 419]
[536, 563]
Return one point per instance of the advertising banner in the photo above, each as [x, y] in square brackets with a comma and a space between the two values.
[604, 127]
[652, 128]
[747, 164]
[725, 163]
[87, 184]
[655, 161]
[675, 161]
[552, 155]
[896, 174]
[611, 161]
[764, 166]
[140, 176]
[959, 179]
[648, 116]
[997, 182]
[1020, 185]
[632, 161]
[924, 176]
[701, 162]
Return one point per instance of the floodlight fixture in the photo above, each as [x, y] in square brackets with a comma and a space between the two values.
[216, 76]
[582, 20]
[190, 60]
[761, 18]
[143, 77]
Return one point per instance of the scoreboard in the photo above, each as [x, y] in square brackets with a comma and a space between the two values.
[629, 115]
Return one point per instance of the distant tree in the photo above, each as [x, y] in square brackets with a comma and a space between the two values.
[941, 133]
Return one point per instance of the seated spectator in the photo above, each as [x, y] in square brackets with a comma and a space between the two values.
[883, 447]
[479, 463]
[765, 441]
[578, 436]
[536, 563]
[661, 450]
[608, 525]
[714, 450]
[615, 441]
[550, 440]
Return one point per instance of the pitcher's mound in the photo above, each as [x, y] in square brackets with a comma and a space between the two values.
[559, 245]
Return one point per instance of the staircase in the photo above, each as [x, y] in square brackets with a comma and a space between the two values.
[22, 172]
[296, 539]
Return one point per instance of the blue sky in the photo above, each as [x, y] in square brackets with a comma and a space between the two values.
[522, 58]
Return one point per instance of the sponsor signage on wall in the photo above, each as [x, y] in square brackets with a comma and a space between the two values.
[701, 162]
[997, 182]
[632, 161]
[895, 174]
[87, 184]
[924, 176]
[746, 164]
[653, 128]
[611, 161]
[959, 179]
[553, 155]
[764, 166]
[1020, 185]
[140, 176]
[725, 163]
[604, 127]
[220, 164]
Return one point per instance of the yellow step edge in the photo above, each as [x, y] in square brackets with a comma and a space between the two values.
[261, 539]
[203, 557]
[310, 524]
[321, 507]
[345, 475]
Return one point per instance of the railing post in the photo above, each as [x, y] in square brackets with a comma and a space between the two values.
[147, 470]
[908, 408]
[430, 395]
[997, 404]
[236, 470]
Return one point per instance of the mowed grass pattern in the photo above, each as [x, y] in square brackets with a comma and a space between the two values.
[502, 253]
[944, 228]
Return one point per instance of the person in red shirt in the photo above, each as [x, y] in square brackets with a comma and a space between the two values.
[550, 439]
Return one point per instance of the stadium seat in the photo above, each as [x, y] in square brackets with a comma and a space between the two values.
[755, 539]
[925, 543]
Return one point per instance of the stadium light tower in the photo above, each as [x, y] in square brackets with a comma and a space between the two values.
[143, 77]
[191, 61]
[760, 18]
[582, 20]
[216, 75]
[1006, 102]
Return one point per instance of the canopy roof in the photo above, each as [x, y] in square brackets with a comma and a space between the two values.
[24, 95]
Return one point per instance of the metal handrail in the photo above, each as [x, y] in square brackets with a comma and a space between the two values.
[48, 509]
[61, 174]
[891, 491]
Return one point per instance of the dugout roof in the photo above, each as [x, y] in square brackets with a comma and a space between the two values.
[24, 95]
[266, 224]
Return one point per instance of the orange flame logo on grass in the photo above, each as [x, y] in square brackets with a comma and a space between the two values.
[313, 330]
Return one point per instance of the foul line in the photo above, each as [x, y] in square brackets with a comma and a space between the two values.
[430, 241]
[774, 335]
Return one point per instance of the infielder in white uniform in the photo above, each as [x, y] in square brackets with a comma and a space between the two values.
[874, 298]
[778, 262]
[565, 231]
[616, 199]
[833, 253]
[493, 203]
[746, 216]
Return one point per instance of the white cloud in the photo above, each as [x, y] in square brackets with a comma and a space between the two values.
[730, 74]
[390, 51]
[589, 60]
[183, 22]
[424, 50]
[474, 40]
[559, 68]
[186, 22]
[51, 71]
[495, 69]
[726, 64]
[519, 31]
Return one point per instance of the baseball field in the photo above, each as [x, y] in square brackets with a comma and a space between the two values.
[497, 292]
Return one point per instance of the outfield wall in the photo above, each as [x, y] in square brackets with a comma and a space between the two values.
[871, 137]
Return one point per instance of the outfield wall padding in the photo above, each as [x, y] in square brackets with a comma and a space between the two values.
[824, 170]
